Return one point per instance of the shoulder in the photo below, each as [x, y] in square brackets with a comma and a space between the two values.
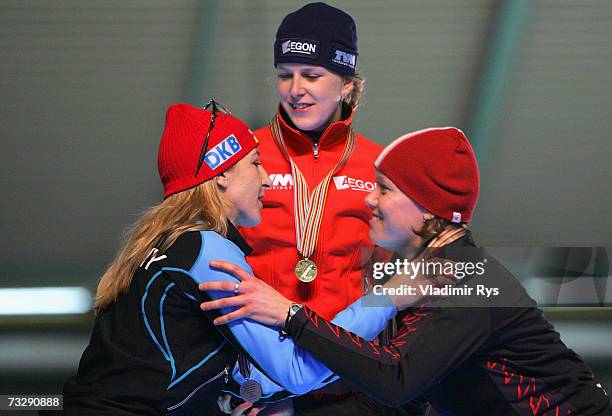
[191, 246]
[184, 252]
[263, 134]
[368, 144]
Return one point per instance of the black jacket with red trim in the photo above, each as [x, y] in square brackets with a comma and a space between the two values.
[468, 355]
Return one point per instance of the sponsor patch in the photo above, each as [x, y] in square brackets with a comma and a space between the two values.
[281, 181]
[300, 47]
[344, 182]
[222, 152]
[344, 58]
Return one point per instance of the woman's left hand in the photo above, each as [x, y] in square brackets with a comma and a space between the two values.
[255, 299]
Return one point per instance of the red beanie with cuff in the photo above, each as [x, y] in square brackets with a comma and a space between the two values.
[437, 169]
[181, 145]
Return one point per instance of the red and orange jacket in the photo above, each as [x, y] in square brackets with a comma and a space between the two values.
[344, 227]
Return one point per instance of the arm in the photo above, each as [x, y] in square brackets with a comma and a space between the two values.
[295, 369]
[366, 321]
[430, 343]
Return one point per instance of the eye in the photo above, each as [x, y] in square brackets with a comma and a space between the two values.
[283, 76]
[257, 163]
[311, 76]
[383, 188]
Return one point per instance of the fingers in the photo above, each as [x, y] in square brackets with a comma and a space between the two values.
[241, 408]
[231, 268]
[232, 316]
[220, 286]
[223, 401]
[255, 410]
[223, 303]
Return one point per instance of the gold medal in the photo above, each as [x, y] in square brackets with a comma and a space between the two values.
[306, 270]
[308, 206]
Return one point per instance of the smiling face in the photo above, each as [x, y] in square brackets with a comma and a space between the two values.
[395, 216]
[243, 187]
[311, 95]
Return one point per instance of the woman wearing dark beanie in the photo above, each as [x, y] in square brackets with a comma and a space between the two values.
[314, 222]
[466, 352]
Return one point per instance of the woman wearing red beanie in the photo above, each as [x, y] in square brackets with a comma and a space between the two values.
[481, 347]
[151, 351]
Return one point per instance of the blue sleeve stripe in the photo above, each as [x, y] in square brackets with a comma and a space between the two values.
[144, 315]
[163, 328]
[198, 365]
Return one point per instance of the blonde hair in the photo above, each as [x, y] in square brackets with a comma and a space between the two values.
[354, 97]
[198, 208]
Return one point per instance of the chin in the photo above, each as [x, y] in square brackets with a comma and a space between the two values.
[305, 125]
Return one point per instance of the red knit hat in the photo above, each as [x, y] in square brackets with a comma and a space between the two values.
[437, 169]
[182, 142]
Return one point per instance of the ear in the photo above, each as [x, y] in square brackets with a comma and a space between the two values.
[428, 216]
[347, 87]
[222, 181]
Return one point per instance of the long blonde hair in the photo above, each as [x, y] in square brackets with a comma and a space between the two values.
[198, 208]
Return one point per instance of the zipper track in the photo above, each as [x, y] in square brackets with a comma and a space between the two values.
[210, 380]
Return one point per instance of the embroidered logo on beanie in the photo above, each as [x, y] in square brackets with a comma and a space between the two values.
[344, 58]
[222, 152]
[300, 47]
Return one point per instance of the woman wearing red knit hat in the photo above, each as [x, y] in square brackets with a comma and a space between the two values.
[480, 346]
[151, 350]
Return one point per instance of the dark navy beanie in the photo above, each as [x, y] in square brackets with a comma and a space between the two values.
[318, 34]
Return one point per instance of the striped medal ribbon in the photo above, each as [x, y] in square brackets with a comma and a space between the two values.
[447, 237]
[308, 208]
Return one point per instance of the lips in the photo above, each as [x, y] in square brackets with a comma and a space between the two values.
[377, 216]
[300, 106]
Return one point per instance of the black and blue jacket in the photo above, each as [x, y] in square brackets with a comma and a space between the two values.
[153, 351]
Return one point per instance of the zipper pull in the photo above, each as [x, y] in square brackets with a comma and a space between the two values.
[316, 149]
[226, 371]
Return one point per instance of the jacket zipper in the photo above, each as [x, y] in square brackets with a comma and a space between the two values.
[316, 148]
[210, 380]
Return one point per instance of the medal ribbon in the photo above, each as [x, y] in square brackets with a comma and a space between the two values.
[308, 208]
[447, 237]
[244, 366]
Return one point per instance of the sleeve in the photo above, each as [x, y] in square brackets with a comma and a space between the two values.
[431, 341]
[287, 365]
[366, 321]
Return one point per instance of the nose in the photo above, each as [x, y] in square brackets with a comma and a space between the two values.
[297, 88]
[371, 199]
[266, 183]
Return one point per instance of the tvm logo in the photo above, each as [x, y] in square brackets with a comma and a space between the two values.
[345, 58]
[281, 180]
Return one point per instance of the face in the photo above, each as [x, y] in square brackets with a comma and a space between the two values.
[394, 216]
[311, 95]
[243, 187]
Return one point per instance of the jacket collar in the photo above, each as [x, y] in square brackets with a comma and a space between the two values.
[334, 135]
[234, 236]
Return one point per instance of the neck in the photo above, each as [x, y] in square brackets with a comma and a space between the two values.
[314, 134]
[412, 249]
